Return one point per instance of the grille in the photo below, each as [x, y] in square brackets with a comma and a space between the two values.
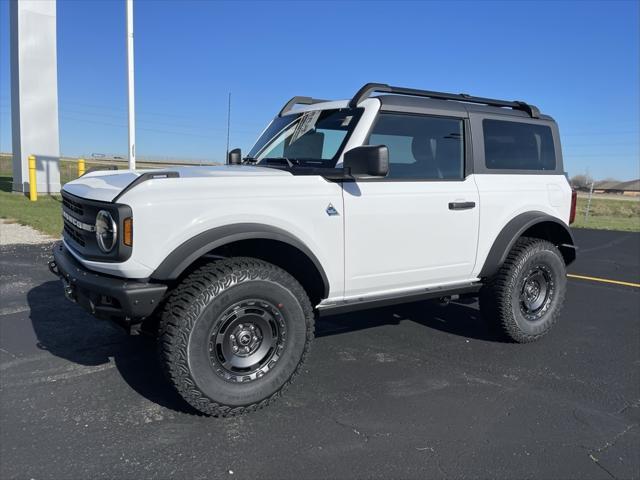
[72, 233]
[78, 220]
[72, 205]
[83, 211]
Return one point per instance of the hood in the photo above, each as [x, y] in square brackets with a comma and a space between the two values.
[106, 185]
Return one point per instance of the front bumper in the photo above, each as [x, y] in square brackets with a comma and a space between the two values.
[124, 301]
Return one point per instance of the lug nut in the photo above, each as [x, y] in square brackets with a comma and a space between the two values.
[252, 327]
[246, 349]
[255, 339]
[240, 326]
[235, 349]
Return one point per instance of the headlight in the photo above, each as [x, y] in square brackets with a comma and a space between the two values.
[106, 231]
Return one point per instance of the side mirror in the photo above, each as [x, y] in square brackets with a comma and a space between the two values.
[367, 161]
[234, 157]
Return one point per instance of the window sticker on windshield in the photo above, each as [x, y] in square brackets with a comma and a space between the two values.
[346, 121]
[306, 123]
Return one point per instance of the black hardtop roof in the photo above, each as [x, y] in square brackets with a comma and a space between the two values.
[462, 98]
[419, 101]
[429, 105]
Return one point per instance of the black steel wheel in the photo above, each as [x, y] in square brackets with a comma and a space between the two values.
[247, 340]
[524, 299]
[536, 293]
[234, 334]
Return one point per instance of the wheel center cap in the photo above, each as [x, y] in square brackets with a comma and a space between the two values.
[532, 289]
[245, 338]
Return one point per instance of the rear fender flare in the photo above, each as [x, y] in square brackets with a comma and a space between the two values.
[555, 230]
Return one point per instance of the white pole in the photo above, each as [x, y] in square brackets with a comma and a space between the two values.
[131, 87]
[586, 213]
[228, 125]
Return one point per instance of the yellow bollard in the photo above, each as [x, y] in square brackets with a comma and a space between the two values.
[33, 191]
[80, 167]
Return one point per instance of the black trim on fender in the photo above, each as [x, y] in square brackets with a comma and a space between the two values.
[143, 178]
[514, 230]
[194, 248]
[346, 306]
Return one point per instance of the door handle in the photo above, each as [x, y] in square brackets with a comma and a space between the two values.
[461, 205]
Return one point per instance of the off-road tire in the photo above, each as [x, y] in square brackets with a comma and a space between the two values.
[200, 301]
[501, 298]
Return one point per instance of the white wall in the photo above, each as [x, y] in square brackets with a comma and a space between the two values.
[34, 93]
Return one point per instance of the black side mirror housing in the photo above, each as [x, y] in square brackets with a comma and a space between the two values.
[367, 161]
[234, 157]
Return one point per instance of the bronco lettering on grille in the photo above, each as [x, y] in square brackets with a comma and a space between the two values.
[77, 223]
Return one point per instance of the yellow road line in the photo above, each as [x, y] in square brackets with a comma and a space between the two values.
[604, 280]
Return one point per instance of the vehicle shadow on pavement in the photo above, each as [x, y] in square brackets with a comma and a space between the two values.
[461, 318]
[68, 332]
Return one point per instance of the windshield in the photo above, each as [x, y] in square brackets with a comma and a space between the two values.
[312, 138]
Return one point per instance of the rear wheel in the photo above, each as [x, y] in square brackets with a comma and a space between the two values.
[233, 335]
[524, 298]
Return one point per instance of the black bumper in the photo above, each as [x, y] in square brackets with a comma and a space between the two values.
[123, 301]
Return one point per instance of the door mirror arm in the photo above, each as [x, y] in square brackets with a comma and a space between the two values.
[367, 161]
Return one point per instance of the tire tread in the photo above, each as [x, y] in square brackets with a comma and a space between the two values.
[183, 308]
[495, 296]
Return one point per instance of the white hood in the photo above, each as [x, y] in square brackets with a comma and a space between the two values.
[105, 185]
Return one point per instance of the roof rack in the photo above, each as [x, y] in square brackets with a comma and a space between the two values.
[370, 88]
[298, 101]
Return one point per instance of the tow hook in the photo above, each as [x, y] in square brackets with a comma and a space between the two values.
[53, 268]
[444, 301]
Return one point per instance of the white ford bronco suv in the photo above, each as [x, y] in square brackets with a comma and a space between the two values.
[340, 205]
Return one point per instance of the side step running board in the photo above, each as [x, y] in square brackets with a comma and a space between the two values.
[346, 306]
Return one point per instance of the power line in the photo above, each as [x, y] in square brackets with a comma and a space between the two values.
[582, 134]
[172, 132]
[123, 116]
[601, 155]
[152, 122]
[146, 122]
[141, 112]
[603, 144]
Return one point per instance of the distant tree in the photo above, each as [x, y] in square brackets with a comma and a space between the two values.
[581, 182]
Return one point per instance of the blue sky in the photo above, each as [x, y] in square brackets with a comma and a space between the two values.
[577, 61]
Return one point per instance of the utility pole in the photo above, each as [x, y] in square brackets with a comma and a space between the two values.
[228, 126]
[586, 213]
[131, 87]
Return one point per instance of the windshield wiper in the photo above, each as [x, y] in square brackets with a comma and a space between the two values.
[289, 161]
[249, 160]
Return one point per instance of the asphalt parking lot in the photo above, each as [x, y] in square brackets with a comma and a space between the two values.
[413, 391]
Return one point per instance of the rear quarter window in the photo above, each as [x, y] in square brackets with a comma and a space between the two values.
[518, 146]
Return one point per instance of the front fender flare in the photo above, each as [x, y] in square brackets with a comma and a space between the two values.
[194, 248]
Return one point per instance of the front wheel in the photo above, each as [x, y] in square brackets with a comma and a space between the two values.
[524, 298]
[233, 335]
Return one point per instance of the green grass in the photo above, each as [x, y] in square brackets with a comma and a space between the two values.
[43, 215]
[609, 214]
